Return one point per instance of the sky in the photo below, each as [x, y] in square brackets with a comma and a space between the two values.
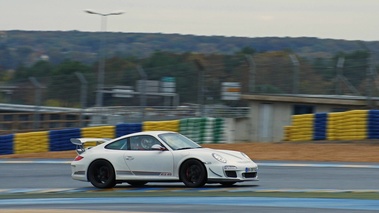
[336, 19]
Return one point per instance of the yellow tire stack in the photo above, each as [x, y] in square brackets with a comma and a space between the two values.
[287, 133]
[302, 127]
[98, 132]
[172, 125]
[31, 142]
[334, 130]
[354, 125]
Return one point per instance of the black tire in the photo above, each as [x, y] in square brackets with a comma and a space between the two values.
[193, 173]
[227, 183]
[101, 174]
[136, 183]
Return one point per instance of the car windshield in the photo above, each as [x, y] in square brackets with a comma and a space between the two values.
[177, 141]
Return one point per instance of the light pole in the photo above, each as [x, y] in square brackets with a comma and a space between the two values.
[101, 72]
[142, 90]
[295, 76]
[339, 77]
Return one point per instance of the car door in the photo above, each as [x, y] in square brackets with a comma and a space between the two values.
[115, 153]
[144, 161]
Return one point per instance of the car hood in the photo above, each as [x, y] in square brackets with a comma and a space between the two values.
[229, 155]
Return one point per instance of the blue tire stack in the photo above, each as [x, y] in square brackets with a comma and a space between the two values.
[320, 126]
[373, 124]
[60, 139]
[6, 144]
[127, 128]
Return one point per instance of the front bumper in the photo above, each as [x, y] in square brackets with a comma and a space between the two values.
[232, 173]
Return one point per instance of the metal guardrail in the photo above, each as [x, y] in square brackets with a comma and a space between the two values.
[165, 113]
[41, 121]
[23, 118]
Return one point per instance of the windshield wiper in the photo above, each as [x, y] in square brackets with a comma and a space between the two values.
[185, 148]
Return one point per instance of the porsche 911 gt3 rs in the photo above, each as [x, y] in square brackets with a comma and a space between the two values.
[157, 156]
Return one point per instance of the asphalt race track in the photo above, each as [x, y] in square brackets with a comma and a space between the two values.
[31, 179]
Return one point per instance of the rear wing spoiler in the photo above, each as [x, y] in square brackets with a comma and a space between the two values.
[79, 142]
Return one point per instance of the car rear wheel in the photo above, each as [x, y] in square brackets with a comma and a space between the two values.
[193, 173]
[101, 174]
[136, 183]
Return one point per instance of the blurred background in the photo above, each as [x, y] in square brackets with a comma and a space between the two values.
[57, 79]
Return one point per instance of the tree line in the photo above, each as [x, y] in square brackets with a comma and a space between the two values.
[273, 73]
[186, 58]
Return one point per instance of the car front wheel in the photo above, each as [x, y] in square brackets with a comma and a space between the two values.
[193, 173]
[101, 174]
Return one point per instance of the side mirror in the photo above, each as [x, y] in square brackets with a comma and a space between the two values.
[158, 147]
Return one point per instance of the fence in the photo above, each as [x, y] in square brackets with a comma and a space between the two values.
[270, 72]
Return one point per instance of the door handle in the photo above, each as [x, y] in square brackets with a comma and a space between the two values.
[129, 158]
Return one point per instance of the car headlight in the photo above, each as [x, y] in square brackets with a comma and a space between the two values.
[219, 158]
[245, 155]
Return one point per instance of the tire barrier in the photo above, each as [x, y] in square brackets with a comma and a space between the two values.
[97, 132]
[31, 142]
[334, 122]
[172, 125]
[201, 130]
[320, 126]
[373, 124]
[287, 133]
[124, 129]
[219, 131]
[353, 125]
[60, 139]
[302, 127]
[349, 125]
[192, 128]
[6, 144]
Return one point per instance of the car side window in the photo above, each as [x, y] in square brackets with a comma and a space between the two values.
[143, 142]
[135, 143]
[118, 145]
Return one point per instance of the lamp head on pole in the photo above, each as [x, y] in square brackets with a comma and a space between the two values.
[116, 13]
[90, 12]
[103, 14]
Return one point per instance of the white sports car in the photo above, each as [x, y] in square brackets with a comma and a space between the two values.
[158, 156]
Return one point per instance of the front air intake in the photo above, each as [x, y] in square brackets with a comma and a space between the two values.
[231, 174]
[249, 175]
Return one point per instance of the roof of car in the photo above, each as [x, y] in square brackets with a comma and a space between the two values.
[155, 133]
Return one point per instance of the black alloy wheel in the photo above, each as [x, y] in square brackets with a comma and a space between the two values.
[101, 174]
[193, 173]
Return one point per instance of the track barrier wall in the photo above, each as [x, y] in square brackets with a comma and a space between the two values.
[201, 130]
[349, 125]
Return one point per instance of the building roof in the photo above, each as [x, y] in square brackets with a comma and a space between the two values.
[314, 99]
